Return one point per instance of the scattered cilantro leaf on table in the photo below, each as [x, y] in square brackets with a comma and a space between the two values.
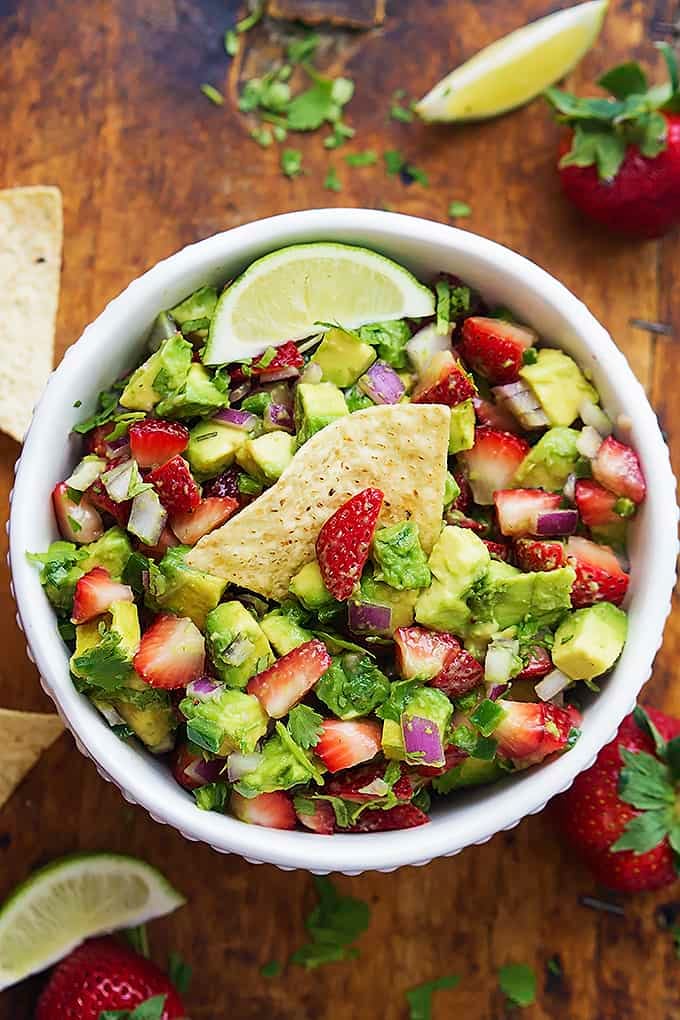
[420, 998]
[333, 925]
[291, 162]
[366, 158]
[271, 969]
[213, 94]
[231, 42]
[138, 939]
[518, 983]
[458, 209]
[331, 182]
[394, 161]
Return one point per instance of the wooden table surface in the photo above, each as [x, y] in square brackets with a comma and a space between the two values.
[103, 100]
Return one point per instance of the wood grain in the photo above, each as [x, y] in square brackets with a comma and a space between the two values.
[103, 100]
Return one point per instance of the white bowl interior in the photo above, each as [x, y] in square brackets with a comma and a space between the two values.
[114, 343]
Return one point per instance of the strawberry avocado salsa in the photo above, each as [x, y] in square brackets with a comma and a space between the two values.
[402, 646]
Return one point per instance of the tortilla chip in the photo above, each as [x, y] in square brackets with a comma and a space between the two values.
[401, 449]
[23, 738]
[30, 262]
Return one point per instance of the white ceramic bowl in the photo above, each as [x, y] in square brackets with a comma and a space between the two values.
[113, 344]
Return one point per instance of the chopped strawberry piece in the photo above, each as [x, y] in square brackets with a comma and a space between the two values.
[461, 673]
[531, 731]
[95, 591]
[463, 502]
[497, 550]
[518, 509]
[494, 348]
[175, 485]
[287, 356]
[97, 442]
[321, 821]
[403, 816]
[101, 499]
[78, 522]
[344, 542]
[158, 551]
[539, 554]
[192, 770]
[171, 653]
[495, 416]
[444, 381]
[461, 521]
[210, 513]
[422, 653]
[492, 462]
[350, 785]
[538, 665]
[346, 743]
[617, 467]
[154, 441]
[599, 575]
[595, 504]
[273, 810]
[285, 683]
[453, 756]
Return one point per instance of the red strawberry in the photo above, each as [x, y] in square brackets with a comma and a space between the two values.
[344, 542]
[100, 498]
[494, 348]
[403, 816]
[78, 522]
[599, 575]
[444, 381]
[158, 551]
[343, 744]
[617, 467]
[495, 416]
[452, 755]
[210, 513]
[518, 509]
[273, 810]
[192, 770]
[422, 653]
[497, 550]
[175, 485]
[531, 731]
[226, 485]
[349, 786]
[538, 665]
[171, 653]
[595, 504]
[95, 591]
[492, 462]
[539, 554]
[287, 357]
[461, 673]
[97, 442]
[463, 502]
[598, 809]
[154, 441]
[321, 821]
[103, 975]
[285, 683]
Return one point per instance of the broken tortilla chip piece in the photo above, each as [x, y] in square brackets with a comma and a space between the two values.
[23, 738]
[30, 263]
[400, 449]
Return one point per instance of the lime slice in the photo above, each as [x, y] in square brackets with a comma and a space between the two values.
[284, 296]
[517, 67]
[61, 905]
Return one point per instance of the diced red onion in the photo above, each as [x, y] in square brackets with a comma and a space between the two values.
[589, 442]
[377, 788]
[117, 481]
[278, 416]
[537, 419]
[307, 345]
[119, 445]
[287, 372]
[204, 688]
[365, 618]
[497, 691]
[87, 472]
[239, 765]
[552, 684]
[509, 390]
[238, 419]
[382, 384]
[424, 344]
[147, 517]
[280, 393]
[556, 522]
[112, 717]
[238, 651]
[146, 579]
[569, 489]
[203, 772]
[312, 374]
[518, 398]
[239, 392]
[501, 657]
[422, 739]
[593, 415]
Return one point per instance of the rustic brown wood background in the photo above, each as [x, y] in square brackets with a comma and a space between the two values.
[103, 99]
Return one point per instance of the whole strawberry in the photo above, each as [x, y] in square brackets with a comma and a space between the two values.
[102, 975]
[620, 814]
[620, 164]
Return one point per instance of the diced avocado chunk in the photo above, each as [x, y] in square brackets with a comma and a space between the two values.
[433, 705]
[236, 644]
[392, 741]
[399, 557]
[87, 637]
[281, 766]
[267, 457]
[181, 589]
[451, 490]
[353, 686]
[462, 427]
[589, 641]
[125, 622]
[197, 395]
[470, 772]
[439, 609]
[283, 633]
[342, 357]
[308, 587]
[111, 551]
[549, 463]
[401, 603]
[165, 370]
[60, 571]
[213, 446]
[559, 385]
[199, 305]
[317, 405]
[458, 559]
[226, 720]
[508, 595]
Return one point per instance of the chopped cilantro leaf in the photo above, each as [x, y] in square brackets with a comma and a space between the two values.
[331, 182]
[301, 50]
[321, 102]
[211, 797]
[251, 20]
[401, 113]
[279, 132]
[211, 93]
[304, 726]
[271, 969]
[394, 161]
[341, 133]
[231, 42]
[420, 998]
[399, 696]
[413, 174]
[458, 209]
[107, 406]
[518, 983]
[291, 162]
[122, 423]
[262, 136]
[107, 664]
[366, 158]
[266, 358]
[179, 973]
[76, 526]
[138, 939]
[123, 731]
[333, 925]
[77, 403]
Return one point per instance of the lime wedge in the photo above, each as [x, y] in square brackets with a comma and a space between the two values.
[73, 898]
[284, 296]
[517, 67]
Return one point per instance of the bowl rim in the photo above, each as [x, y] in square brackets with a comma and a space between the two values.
[355, 853]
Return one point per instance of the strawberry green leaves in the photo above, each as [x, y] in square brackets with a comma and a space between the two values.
[152, 1009]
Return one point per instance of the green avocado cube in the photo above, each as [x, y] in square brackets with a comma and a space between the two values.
[433, 705]
[267, 457]
[399, 557]
[352, 687]
[213, 446]
[166, 369]
[438, 608]
[199, 305]
[589, 641]
[462, 427]
[283, 764]
[197, 395]
[308, 587]
[470, 772]
[559, 385]
[342, 357]
[392, 741]
[508, 595]
[179, 588]
[550, 462]
[111, 551]
[317, 405]
[283, 633]
[458, 559]
[236, 644]
[225, 721]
